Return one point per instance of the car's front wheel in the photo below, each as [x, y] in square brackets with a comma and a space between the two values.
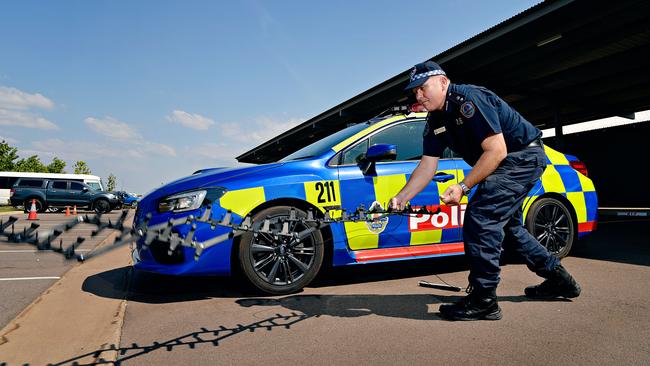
[280, 266]
[552, 224]
[101, 206]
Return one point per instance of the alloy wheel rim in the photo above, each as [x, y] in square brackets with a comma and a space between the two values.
[552, 228]
[282, 262]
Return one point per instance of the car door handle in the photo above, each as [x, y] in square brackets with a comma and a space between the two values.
[443, 177]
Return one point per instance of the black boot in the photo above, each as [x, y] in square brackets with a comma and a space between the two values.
[559, 283]
[479, 304]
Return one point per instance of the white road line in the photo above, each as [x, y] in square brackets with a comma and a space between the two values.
[36, 250]
[29, 278]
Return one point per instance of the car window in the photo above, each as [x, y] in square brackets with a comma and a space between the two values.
[76, 186]
[94, 185]
[353, 155]
[406, 136]
[323, 145]
[60, 185]
[34, 183]
[7, 182]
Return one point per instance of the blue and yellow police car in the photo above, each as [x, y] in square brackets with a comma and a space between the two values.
[332, 175]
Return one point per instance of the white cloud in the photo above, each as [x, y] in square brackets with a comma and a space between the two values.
[113, 128]
[24, 119]
[214, 153]
[260, 130]
[157, 149]
[195, 121]
[15, 108]
[8, 140]
[83, 150]
[12, 98]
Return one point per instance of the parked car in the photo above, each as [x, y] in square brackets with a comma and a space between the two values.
[343, 171]
[127, 199]
[8, 179]
[60, 193]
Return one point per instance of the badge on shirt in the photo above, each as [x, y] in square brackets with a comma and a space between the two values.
[440, 130]
[467, 109]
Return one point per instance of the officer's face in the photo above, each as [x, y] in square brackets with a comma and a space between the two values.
[431, 94]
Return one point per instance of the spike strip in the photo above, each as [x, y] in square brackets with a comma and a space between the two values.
[164, 231]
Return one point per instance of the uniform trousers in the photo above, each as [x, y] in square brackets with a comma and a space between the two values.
[494, 214]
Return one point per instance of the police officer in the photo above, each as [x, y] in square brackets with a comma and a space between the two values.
[507, 158]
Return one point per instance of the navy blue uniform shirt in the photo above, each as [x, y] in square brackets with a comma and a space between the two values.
[472, 113]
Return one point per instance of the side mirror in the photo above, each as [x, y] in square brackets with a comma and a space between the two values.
[85, 189]
[377, 153]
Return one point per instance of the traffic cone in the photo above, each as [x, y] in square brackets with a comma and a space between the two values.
[67, 210]
[74, 210]
[32, 211]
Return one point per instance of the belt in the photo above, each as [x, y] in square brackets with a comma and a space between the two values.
[537, 142]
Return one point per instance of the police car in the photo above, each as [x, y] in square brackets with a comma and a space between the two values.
[355, 166]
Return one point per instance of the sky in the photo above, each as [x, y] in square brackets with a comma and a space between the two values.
[151, 91]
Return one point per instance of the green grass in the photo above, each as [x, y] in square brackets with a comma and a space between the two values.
[7, 209]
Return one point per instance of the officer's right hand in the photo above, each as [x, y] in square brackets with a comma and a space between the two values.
[396, 203]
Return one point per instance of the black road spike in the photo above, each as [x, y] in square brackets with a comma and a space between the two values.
[9, 222]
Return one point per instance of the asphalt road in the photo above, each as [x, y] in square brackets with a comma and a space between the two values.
[376, 314]
[26, 273]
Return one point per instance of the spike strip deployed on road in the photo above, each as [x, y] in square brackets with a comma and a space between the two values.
[164, 231]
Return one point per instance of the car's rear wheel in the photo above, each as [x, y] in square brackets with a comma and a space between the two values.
[27, 205]
[280, 266]
[552, 224]
[101, 206]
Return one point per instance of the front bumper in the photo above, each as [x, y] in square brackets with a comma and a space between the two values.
[215, 260]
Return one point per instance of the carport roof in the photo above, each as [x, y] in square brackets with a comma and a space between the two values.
[567, 59]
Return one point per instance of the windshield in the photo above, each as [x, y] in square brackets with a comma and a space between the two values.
[323, 145]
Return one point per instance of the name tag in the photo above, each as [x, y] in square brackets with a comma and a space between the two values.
[440, 130]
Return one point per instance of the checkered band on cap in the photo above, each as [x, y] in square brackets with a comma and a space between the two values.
[427, 74]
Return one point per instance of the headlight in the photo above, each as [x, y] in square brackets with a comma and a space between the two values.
[191, 200]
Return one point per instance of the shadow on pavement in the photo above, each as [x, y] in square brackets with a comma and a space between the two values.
[413, 306]
[208, 336]
[154, 288]
[159, 289]
[623, 242]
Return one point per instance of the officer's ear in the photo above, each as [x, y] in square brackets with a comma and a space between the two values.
[444, 82]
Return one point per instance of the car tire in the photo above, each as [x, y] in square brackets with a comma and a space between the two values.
[552, 224]
[40, 207]
[280, 268]
[101, 206]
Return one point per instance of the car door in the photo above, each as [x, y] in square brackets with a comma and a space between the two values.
[79, 196]
[57, 193]
[376, 190]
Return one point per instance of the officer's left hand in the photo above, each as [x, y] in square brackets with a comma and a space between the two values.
[452, 195]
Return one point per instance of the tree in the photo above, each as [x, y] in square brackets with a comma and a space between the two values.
[7, 156]
[56, 166]
[31, 164]
[112, 180]
[80, 167]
